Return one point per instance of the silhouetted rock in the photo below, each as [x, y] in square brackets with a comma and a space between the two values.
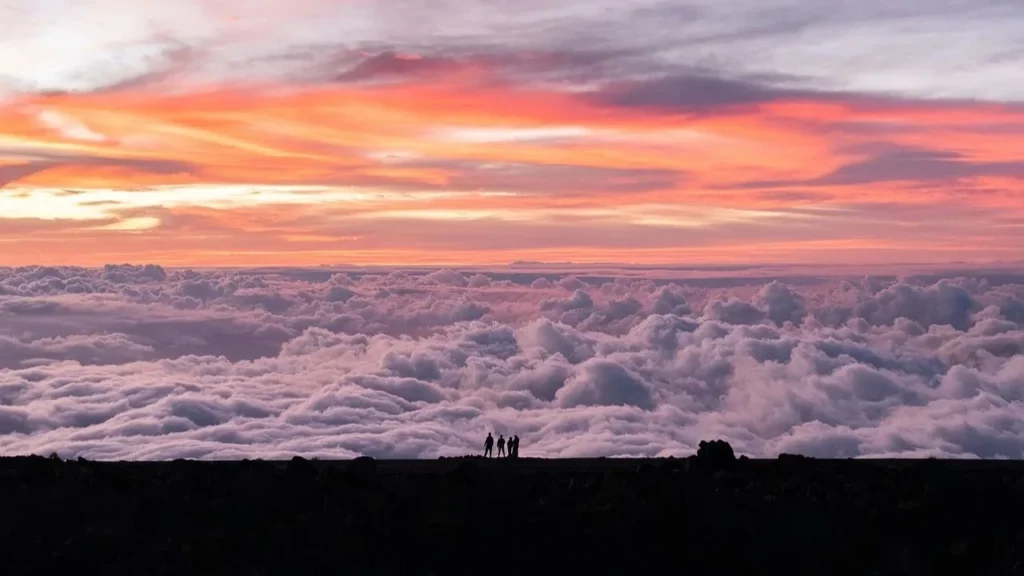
[793, 462]
[716, 454]
[465, 472]
[365, 466]
[300, 467]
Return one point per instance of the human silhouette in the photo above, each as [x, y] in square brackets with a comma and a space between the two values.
[501, 445]
[488, 445]
[515, 446]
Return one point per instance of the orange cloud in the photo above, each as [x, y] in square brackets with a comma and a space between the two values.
[484, 172]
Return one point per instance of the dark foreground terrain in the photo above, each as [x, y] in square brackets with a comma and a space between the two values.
[470, 516]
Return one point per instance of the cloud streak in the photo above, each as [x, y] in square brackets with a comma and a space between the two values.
[147, 363]
[418, 131]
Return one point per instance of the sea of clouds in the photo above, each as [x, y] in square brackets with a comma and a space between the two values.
[142, 362]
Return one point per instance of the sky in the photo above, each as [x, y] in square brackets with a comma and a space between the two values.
[351, 227]
[479, 132]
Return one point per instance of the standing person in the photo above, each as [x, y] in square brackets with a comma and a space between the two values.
[515, 446]
[501, 445]
[488, 445]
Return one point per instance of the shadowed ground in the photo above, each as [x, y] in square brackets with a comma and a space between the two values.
[475, 516]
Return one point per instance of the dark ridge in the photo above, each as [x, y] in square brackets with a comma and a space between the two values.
[708, 514]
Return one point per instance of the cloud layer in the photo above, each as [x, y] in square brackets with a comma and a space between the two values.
[140, 362]
[451, 132]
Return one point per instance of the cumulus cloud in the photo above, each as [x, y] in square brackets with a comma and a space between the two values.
[140, 362]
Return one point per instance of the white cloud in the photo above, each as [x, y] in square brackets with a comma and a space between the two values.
[144, 363]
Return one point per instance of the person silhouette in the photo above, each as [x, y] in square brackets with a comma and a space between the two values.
[488, 445]
[501, 445]
[515, 446]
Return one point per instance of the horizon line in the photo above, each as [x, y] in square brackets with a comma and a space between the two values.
[532, 264]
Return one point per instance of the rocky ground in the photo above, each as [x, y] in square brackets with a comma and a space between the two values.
[707, 514]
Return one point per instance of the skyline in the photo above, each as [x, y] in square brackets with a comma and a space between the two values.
[428, 132]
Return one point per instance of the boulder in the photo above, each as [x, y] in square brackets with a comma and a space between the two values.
[299, 466]
[715, 454]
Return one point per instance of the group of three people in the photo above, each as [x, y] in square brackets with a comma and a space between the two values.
[513, 446]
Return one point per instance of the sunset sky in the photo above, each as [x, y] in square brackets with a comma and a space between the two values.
[203, 132]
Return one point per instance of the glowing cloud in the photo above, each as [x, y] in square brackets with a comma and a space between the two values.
[447, 131]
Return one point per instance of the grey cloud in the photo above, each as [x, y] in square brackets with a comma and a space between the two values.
[917, 165]
[563, 180]
[887, 162]
[692, 93]
[551, 179]
[492, 63]
[390, 66]
[605, 383]
[13, 173]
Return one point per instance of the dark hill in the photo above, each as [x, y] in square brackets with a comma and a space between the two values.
[709, 515]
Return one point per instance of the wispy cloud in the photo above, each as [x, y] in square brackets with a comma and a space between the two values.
[427, 129]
